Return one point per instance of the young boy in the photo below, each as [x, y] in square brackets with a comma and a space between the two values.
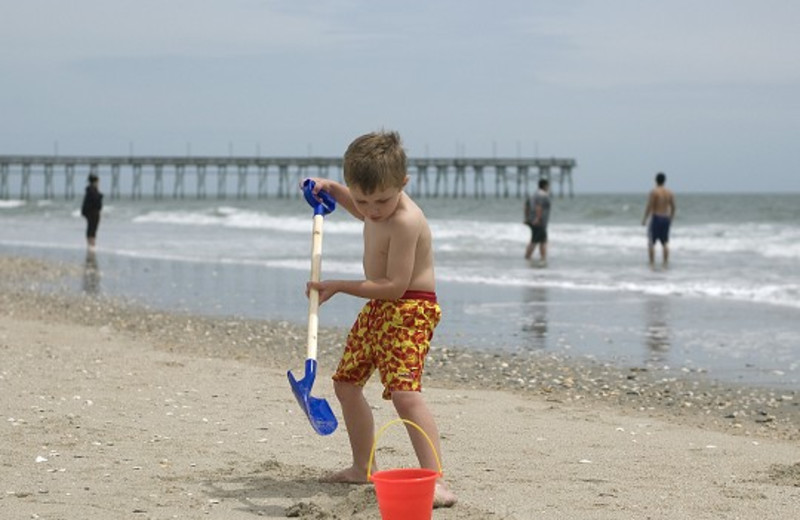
[393, 330]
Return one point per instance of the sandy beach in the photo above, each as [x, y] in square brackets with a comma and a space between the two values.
[116, 411]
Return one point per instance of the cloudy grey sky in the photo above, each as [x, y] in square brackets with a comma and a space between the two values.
[706, 90]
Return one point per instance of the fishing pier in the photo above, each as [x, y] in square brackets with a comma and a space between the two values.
[159, 177]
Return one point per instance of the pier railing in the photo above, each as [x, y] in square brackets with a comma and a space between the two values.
[49, 177]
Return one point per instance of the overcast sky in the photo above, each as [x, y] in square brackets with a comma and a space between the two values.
[706, 90]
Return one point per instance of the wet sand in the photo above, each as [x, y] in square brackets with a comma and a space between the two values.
[117, 411]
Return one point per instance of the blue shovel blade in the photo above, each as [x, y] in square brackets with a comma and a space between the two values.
[317, 410]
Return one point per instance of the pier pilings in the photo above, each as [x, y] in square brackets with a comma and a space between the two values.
[49, 177]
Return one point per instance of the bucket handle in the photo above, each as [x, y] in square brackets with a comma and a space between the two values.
[383, 429]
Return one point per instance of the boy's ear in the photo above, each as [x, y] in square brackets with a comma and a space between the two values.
[405, 181]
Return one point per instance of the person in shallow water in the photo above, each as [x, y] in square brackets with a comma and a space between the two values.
[661, 210]
[537, 213]
[90, 209]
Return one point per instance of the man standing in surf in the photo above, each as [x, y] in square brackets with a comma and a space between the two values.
[537, 213]
[90, 209]
[661, 209]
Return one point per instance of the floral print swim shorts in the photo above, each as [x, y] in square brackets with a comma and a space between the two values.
[393, 336]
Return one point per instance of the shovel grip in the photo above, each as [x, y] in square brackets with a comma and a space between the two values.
[313, 294]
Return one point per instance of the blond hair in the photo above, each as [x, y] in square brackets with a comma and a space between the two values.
[375, 161]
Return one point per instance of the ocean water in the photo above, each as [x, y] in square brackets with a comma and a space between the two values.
[727, 307]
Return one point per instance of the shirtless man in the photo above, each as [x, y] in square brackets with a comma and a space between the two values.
[392, 332]
[661, 209]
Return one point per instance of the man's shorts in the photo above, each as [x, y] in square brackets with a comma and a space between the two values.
[92, 221]
[393, 336]
[658, 230]
[538, 234]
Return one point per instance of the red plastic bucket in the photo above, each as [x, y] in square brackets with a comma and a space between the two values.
[404, 494]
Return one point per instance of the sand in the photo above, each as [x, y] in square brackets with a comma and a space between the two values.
[113, 411]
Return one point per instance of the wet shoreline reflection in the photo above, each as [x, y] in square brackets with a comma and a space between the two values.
[536, 322]
[91, 273]
[657, 333]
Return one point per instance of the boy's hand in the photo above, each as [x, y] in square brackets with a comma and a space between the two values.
[325, 289]
[337, 190]
[320, 184]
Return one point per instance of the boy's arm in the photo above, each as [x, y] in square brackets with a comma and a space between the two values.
[339, 191]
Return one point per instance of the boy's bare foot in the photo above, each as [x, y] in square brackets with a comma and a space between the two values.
[442, 496]
[346, 476]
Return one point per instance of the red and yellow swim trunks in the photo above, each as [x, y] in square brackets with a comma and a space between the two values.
[393, 336]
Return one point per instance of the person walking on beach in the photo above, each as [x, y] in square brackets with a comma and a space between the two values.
[661, 209]
[90, 209]
[392, 333]
[537, 213]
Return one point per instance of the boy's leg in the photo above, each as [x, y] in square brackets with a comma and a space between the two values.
[412, 407]
[360, 429]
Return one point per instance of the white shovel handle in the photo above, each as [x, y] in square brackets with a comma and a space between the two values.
[313, 294]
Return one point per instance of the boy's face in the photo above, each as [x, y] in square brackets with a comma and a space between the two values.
[378, 205]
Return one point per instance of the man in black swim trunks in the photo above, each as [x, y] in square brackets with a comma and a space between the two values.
[661, 210]
[537, 213]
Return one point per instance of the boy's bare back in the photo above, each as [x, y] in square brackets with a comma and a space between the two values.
[398, 251]
[399, 248]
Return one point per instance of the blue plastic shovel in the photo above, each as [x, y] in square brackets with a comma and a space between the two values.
[317, 410]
